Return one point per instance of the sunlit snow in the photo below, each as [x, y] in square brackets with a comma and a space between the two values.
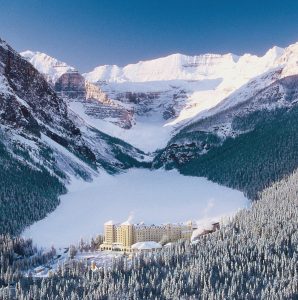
[210, 83]
[150, 196]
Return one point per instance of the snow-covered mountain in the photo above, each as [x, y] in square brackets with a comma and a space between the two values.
[151, 100]
[182, 67]
[206, 79]
[32, 109]
[247, 142]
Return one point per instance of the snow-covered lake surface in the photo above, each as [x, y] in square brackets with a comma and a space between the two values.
[150, 196]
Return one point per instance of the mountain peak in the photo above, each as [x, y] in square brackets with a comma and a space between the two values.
[28, 54]
[49, 66]
[275, 52]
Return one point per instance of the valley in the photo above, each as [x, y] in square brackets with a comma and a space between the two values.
[208, 138]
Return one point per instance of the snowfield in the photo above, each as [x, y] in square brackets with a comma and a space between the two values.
[147, 135]
[150, 196]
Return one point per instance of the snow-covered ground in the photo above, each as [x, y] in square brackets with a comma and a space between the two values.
[100, 258]
[150, 196]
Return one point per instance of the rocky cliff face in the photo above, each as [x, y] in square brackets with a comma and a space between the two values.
[95, 103]
[71, 85]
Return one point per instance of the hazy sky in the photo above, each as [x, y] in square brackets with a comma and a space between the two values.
[88, 33]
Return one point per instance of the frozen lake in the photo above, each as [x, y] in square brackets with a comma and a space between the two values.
[150, 196]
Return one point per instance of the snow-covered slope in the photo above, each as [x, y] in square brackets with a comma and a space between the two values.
[216, 76]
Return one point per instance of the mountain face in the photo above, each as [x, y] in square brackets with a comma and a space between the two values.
[32, 109]
[44, 144]
[182, 67]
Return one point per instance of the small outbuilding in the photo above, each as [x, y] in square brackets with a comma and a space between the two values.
[146, 246]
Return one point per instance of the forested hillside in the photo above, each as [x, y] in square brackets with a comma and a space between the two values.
[252, 161]
[27, 194]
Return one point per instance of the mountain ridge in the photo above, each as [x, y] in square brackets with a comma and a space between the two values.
[188, 60]
[177, 59]
[160, 96]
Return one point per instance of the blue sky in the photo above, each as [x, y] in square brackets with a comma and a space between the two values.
[88, 33]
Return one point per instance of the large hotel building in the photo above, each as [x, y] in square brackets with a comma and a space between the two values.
[123, 236]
